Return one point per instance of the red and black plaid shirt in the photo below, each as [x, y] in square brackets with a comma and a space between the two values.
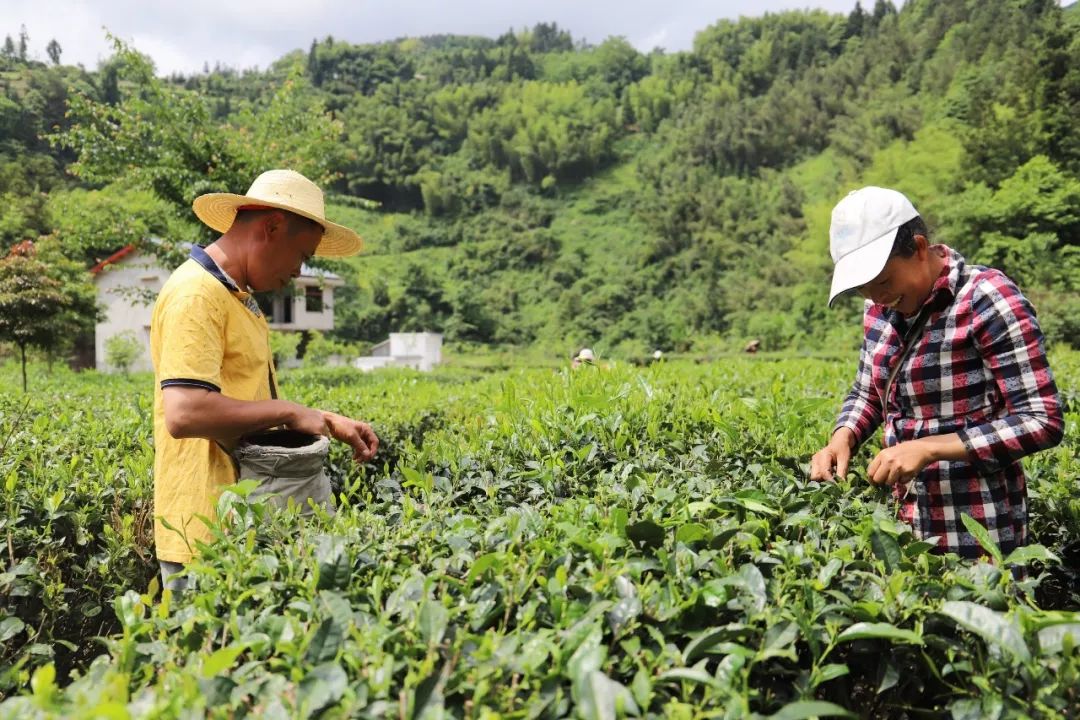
[979, 370]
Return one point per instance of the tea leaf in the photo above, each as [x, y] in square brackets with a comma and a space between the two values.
[806, 709]
[646, 534]
[879, 631]
[995, 628]
[601, 698]
[221, 659]
[886, 549]
[1027, 553]
[10, 627]
[433, 620]
[325, 643]
[982, 535]
[324, 685]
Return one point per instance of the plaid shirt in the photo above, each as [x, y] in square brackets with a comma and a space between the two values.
[979, 370]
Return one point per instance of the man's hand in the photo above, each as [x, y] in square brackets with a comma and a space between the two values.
[305, 420]
[354, 433]
[837, 454]
[899, 464]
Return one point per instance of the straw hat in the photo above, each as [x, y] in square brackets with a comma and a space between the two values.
[284, 190]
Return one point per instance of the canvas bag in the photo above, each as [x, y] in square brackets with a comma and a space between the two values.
[287, 464]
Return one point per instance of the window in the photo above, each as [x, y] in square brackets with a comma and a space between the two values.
[313, 299]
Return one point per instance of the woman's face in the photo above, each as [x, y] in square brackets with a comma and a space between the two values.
[904, 283]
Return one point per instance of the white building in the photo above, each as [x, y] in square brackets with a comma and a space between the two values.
[128, 281]
[420, 351]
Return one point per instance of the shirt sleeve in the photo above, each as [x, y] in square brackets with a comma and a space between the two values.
[192, 331]
[862, 409]
[1011, 342]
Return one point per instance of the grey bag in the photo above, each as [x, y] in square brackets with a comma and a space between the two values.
[287, 464]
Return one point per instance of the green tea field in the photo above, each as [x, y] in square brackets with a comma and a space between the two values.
[529, 543]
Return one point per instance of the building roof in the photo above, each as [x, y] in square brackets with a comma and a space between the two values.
[114, 258]
[308, 271]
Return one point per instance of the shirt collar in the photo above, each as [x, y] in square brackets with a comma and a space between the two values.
[199, 255]
[948, 282]
[944, 288]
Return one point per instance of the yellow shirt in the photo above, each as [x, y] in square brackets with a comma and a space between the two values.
[203, 333]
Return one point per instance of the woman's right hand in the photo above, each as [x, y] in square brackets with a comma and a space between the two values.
[831, 461]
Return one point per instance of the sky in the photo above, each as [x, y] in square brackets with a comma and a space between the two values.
[182, 35]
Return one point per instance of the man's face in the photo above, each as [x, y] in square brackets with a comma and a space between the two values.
[282, 255]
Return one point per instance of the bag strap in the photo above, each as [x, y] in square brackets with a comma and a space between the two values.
[913, 334]
[270, 377]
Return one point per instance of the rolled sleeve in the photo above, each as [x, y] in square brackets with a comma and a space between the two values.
[862, 409]
[1011, 342]
[192, 338]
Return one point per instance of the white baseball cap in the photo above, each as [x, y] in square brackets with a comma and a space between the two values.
[862, 233]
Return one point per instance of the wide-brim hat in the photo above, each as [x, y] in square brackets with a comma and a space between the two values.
[281, 190]
[862, 233]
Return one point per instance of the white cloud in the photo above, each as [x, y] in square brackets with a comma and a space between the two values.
[658, 39]
[183, 35]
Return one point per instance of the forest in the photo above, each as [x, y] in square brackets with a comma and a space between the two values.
[535, 190]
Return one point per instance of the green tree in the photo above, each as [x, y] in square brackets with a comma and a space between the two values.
[24, 43]
[320, 347]
[164, 139]
[283, 345]
[122, 350]
[1029, 227]
[54, 50]
[93, 224]
[543, 132]
[392, 136]
[45, 300]
[547, 37]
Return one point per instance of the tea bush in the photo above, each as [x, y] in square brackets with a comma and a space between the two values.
[598, 543]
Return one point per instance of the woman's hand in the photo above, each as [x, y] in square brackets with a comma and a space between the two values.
[899, 463]
[837, 454]
[903, 461]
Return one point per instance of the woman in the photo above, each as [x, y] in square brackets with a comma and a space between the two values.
[972, 392]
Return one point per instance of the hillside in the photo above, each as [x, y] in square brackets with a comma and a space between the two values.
[532, 190]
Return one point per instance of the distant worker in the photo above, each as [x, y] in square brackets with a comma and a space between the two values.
[584, 357]
[752, 347]
[210, 345]
[952, 366]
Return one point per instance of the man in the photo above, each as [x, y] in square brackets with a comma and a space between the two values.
[213, 371]
[584, 357]
[952, 363]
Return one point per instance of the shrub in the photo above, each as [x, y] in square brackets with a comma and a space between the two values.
[122, 350]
